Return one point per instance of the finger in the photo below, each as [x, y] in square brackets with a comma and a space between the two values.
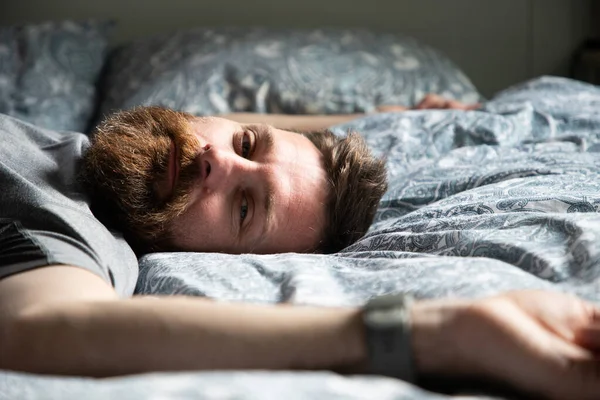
[430, 101]
[595, 313]
[589, 337]
[574, 372]
[456, 105]
[423, 105]
[583, 377]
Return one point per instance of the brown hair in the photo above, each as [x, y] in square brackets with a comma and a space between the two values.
[357, 182]
[128, 155]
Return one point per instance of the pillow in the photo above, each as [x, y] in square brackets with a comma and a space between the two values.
[479, 202]
[8, 67]
[211, 71]
[48, 72]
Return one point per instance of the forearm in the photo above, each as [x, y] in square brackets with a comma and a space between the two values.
[293, 122]
[141, 334]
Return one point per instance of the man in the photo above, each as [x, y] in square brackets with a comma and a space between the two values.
[539, 342]
[169, 176]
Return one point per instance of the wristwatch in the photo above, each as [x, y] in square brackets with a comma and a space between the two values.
[387, 327]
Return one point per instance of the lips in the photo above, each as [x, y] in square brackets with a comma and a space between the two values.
[165, 187]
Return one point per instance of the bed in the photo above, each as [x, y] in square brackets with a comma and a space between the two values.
[480, 202]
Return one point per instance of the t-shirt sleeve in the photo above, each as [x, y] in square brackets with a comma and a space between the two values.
[45, 217]
[22, 249]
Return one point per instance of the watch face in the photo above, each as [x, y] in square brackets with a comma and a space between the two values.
[388, 301]
[384, 318]
[386, 311]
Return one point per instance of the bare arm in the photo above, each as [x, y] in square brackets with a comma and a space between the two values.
[66, 320]
[319, 122]
[305, 123]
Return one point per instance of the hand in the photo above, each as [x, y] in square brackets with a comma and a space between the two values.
[431, 102]
[541, 342]
[436, 102]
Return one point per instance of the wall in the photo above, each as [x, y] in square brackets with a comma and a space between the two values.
[497, 43]
[596, 18]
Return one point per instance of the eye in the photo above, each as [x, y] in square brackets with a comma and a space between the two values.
[246, 144]
[243, 208]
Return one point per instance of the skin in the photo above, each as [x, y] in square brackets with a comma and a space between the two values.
[265, 198]
[540, 342]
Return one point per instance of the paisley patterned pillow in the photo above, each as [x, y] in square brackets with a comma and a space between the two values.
[48, 72]
[209, 71]
[8, 67]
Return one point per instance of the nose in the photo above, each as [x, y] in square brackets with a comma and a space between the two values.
[223, 169]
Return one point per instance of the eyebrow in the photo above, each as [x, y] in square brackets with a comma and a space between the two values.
[268, 207]
[264, 136]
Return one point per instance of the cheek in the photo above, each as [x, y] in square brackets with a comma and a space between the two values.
[204, 219]
[310, 196]
[207, 213]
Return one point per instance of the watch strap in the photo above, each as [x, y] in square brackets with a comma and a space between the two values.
[388, 335]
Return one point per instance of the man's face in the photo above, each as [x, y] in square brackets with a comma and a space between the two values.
[255, 189]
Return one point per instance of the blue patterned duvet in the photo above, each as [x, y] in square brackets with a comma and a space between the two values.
[480, 202]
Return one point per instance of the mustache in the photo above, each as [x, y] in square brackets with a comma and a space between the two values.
[164, 211]
[128, 155]
[189, 174]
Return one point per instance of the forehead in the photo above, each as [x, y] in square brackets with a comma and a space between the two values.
[300, 198]
[213, 127]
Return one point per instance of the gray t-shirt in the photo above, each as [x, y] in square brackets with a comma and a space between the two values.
[45, 217]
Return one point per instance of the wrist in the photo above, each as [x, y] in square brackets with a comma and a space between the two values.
[437, 339]
[350, 344]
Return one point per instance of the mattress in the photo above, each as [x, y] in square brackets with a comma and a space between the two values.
[480, 202]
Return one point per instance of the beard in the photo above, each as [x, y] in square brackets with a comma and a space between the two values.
[125, 164]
